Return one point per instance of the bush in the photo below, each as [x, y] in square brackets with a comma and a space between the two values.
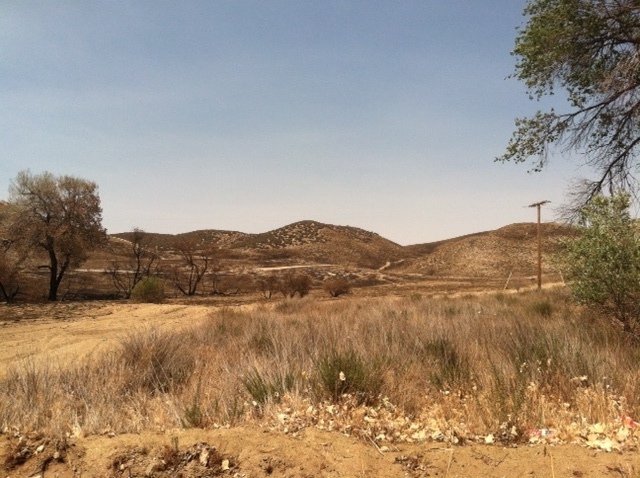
[149, 289]
[264, 388]
[296, 284]
[336, 287]
[452, 367]
[542, 308]
[603, 261]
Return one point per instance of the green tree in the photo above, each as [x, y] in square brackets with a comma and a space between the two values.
[59, 216]
[603, 260]
[590, 50]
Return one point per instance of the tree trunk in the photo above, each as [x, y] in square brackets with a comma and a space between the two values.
[55, 275]
[53, 279]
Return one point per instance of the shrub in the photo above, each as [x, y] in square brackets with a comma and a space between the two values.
[296, 284]
[603, 261]
[452, 369]
[150, 289]
[543, 308]
[336, 287]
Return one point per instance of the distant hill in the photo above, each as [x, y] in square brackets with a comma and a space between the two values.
[304, 242]
[510, 249]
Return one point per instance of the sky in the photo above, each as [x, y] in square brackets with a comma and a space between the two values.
[248, 115]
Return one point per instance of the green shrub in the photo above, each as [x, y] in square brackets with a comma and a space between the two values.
[150, 289]
[603, 261]
[452, 367]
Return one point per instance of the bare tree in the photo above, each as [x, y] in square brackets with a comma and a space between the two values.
[10, 267]
[269, 285]
[58, 216]
[295, 284]
[125, 275]
[195, 263]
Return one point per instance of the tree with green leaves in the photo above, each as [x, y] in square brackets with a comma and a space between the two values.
[57, 216]
[590, 49]
[603, 261]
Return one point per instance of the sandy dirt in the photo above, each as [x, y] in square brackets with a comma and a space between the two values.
[64, 332]
[253, 452]
[69, 331]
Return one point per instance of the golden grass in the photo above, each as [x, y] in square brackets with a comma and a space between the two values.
[490, 368]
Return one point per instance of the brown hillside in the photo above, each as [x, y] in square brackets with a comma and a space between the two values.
[223, 239]
[311, 241]
[510, 249]
[304, 242]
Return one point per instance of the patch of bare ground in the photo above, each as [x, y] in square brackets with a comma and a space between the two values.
[67, 332]
[249, 451]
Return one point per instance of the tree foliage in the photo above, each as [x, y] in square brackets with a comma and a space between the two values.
[11, 263]
[589, 49]
[10, 259]
[603, 261]
[59, 216]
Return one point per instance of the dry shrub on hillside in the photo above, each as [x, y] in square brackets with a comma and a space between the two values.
[336, 286]
[292, 284]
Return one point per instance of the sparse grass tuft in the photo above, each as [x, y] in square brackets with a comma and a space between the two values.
[341, 373]
[156, 362]
[264, 389]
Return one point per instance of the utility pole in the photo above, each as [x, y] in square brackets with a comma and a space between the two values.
[538, 205]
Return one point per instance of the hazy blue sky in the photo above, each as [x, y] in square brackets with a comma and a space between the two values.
[252, 114]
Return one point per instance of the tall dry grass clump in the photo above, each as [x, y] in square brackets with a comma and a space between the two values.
[389, 368]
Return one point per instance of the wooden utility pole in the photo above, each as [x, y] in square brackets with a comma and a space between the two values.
[538, 205]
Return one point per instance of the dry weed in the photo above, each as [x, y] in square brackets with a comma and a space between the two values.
[495, 368]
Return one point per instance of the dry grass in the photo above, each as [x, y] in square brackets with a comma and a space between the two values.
[389, 369]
